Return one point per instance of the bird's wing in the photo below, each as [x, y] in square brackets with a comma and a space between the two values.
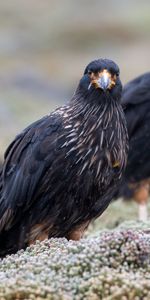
[26, 160]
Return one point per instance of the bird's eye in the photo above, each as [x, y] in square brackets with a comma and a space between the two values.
[117, 74]
[89, 72]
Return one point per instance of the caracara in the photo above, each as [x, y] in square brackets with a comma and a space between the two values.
[136, 180]
[62, 171]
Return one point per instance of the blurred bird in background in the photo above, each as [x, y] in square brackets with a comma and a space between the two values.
[136, 180]
[62, 171]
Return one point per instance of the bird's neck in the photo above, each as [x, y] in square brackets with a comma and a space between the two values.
[93, 108]
[93, 128]
[100, 124]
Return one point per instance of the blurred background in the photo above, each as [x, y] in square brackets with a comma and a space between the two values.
[45, 46]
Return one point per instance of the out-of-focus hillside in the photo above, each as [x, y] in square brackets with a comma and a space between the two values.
[45, 45]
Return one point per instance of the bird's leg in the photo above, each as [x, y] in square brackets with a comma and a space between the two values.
[143, 212]
[77, 233]
[141, 195]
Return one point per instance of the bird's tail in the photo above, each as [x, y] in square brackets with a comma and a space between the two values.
[9, 241]
[3, 245]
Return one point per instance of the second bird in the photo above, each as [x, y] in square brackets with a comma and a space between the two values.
[136, 180]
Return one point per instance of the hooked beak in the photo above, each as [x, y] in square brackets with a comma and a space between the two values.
[104, 80]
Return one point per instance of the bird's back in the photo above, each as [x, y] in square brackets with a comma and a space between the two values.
[136, 102]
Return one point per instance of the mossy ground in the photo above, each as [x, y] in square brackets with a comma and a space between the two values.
[113, 265]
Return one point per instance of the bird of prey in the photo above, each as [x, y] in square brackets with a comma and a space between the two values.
[61, 171]
[136, 180]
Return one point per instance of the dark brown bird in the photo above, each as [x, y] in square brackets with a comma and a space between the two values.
[136, 180]
[61, 172]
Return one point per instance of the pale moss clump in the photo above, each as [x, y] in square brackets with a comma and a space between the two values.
[115, 265]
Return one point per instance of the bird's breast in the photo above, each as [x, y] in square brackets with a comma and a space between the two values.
[95, 144]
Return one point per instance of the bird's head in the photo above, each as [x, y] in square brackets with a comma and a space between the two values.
[102, 75]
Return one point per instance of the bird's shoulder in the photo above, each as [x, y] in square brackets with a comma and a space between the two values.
[136, 104]
[136, 91]
[36, 131]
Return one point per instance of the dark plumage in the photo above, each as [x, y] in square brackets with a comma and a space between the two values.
[136, 103]
[61, 172]
[0, 176]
